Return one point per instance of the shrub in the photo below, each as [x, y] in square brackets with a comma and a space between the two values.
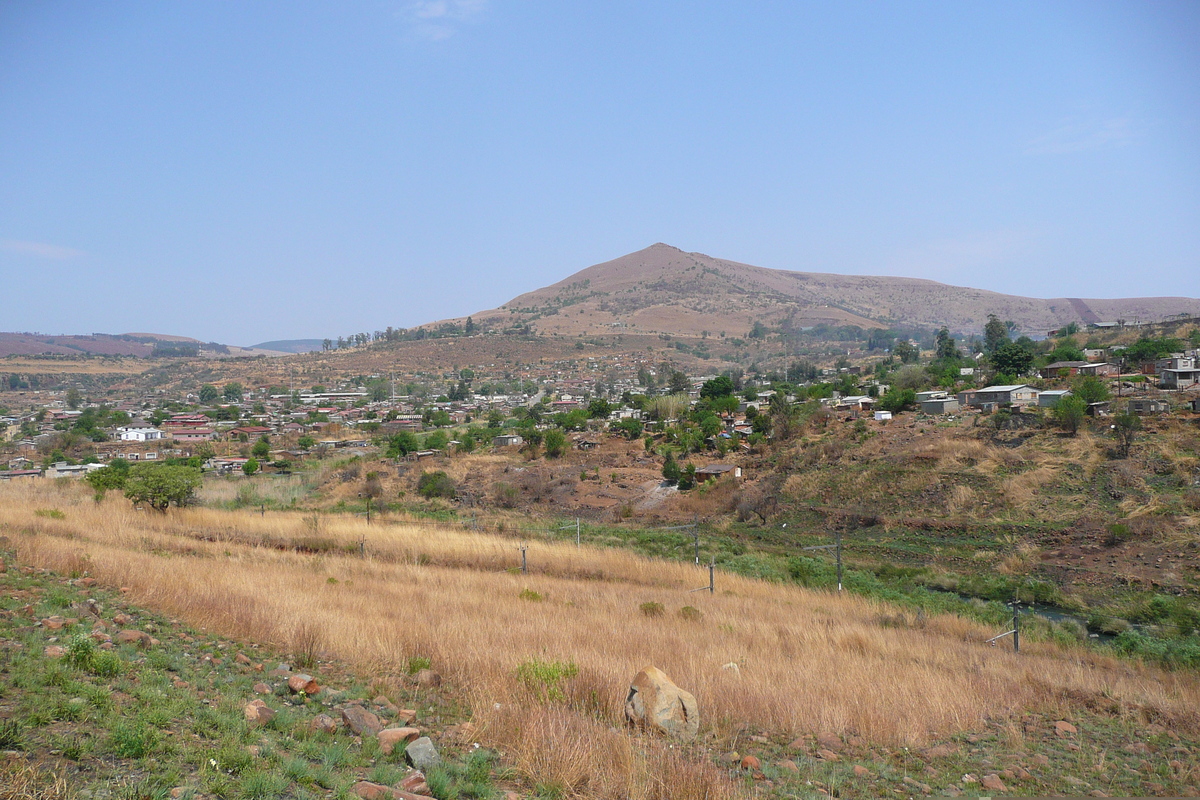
[652, 609]
[131, 739]
[690, 613]
[531, 595]
[436, 484]
[544, 678]
[418, 663]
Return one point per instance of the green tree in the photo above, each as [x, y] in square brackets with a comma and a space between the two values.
[250, 467]
[945, 344]
[995, 333]
[159, 485]
[438, 440]
[440, 418]
[679, 383]
[720, 386]
[897, 400]
[74, 397]
[111, 477]
[1125, 428]
[306, 442]
[1069, 412]
[402, 444]
[599, 409]
[1091, 389]
[630, 427]
[906, 351]
[1012, 359]
[436, 484]
[208, 394]
[233, 392]
[262, 448]
[670, 470]
[555, 442]
[687, 477]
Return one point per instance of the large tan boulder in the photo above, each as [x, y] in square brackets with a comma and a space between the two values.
[656, 704]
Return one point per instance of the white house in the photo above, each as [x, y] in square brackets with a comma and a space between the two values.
[139, 431]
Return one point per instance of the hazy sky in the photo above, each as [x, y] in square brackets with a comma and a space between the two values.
[249, 171]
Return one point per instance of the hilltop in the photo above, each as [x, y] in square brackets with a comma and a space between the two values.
[663, 289]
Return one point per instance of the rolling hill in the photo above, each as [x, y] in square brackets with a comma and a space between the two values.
[663, 289]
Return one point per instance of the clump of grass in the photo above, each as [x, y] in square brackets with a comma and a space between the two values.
[531, 596]
[306, 646]
[12, 735]
[50, 513]
[545, 678]
[690, 613]
[652, 609]
[418, 663]
[131, 739]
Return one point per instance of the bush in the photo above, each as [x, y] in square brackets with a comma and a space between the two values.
[690, 613]
[436, 484]
[531, 596]
[544, 678]
[652, 609]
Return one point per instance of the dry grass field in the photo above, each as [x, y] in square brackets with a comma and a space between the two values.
[807, 661]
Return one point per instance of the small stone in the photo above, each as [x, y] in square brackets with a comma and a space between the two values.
[101, 636]
[54, 623]
[1063, 728]
[386, 704]
[829, 741]
[941, 751]
[122, 619]
[303, 683]
[464, 733]
[828, 755]
[993, 783]
[390, 737]
[361, 721]
[750, 762]
[924, 788]
[1041, 759]
[407, 716]
[969, 778]
[1138, 748]
[427, 679]
[323, 723]
[262, 688]
[414, 782]
[732, 757]
[789, 766]
[371, 791]
[421, 754]
[134, 637]
[952, 791]
[54, 651]
[799, 743]
[861, 771]
[257, 713]
[1022, 774]
[241, 658]
[178, 684]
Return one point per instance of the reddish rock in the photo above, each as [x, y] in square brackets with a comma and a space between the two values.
[54, 623]
[414, 782]
[828, 755]
[428, 679]
[861, 771]
[371, 791]
[463, 734]
[134, 637]
[386, 704]
[829, 741]
[406, 716]
[303, 683]
[941, 751]
[86, 583]
[1138, 748]
[361, 721]
[101, 636]
[1041, 759]
[799, 743]
[1063, 728]
[262, 688]
[125, 590]
[54, 651]
[122, 619]
[257, 713]
[324, 723]
[241, 659]
[1021, 774]
[750, 762]
[789, 766]
[178, 684]
[993, 783]
[390, 737]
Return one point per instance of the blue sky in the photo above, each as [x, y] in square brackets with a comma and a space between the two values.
[249, 171]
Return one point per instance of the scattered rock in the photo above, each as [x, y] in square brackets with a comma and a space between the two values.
[390, 737]
[654, 703]
[993, 783]
[323, 723]
[421, 754]
[750, 762]
[1138, 748]
[924, 788]
[861, 771]
[178, 684]
[54, 651]
[257, 713]
[464, 733]
[101, 636]
[941, 751]
[371, 791]
[134, 637]
[386, 704]
[952, 791]
[732, 757]
[303, 683]
[789, 766]
[122, 619]
[406, 716]
[262, 688]
[828, 755]
[414, 782]
[361, 721]
[829, 741]
[86, 583]
[427, 679]
[799, 743]
[241, 658]
[1022, 774]
[1041, 759]
[54, 623]
[1062, 728]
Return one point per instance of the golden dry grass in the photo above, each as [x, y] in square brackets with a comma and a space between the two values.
[808, 660]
